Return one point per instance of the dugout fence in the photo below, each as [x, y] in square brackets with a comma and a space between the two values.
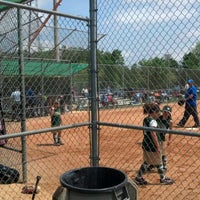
[136, 54]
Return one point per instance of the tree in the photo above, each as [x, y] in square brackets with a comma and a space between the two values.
[117, 57]
[110, 68]
[196, 52]
[166, 61]
[190, 61]
[154, 77]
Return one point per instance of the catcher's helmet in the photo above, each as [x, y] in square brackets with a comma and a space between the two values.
[167, 109]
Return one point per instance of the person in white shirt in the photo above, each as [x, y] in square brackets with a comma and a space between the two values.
[16, 100]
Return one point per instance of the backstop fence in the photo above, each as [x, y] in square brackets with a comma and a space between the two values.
[146, 51]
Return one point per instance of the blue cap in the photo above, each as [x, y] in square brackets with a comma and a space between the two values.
[190, 81]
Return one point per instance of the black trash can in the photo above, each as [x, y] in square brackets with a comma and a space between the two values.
[95, 183]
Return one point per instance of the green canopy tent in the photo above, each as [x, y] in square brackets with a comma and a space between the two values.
[5, 7]
[43, 75]
[38, 68]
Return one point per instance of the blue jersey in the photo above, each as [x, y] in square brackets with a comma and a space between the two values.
[192, 101]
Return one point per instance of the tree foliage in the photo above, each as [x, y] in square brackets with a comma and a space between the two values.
[190, 61]
[113, 72]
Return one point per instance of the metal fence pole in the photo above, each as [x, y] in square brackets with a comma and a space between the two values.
[23, 100]
[93, 80]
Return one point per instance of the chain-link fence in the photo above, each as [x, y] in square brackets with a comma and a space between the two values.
[146, 52]
[44, 58]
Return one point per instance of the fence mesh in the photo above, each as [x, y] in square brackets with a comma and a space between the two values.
[149, 51]
[146, 52]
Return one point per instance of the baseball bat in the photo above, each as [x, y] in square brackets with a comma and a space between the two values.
[36, 185]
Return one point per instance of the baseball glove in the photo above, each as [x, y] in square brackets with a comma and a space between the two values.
[181, 102]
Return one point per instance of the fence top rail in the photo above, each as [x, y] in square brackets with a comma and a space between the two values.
[18, 5]
[175, 132]
[34, 132]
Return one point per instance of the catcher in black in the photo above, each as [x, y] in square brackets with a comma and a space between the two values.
[151, 148]
[190, 105]
[165, 122]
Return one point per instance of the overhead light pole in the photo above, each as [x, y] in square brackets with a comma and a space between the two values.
[56, 46]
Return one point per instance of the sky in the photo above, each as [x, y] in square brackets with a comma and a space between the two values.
[151, 28]
[141, 28]
[71, 7]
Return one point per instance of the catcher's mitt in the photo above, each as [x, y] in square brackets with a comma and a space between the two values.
[181, 102]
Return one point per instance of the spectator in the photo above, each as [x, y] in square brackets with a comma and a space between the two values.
[83, 92]
[41, 99]
[86, 94]
[31, 102]
[108, 90]
[16, 101]
[73, 96]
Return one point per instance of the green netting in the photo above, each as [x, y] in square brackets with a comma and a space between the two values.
[36, 68]
[5, 7]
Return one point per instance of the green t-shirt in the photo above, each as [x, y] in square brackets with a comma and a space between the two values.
[56, 119]
[147, 143]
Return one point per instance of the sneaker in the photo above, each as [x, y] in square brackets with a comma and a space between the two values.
[195, 126]
[54, 139]
[167, 181]
[55, 142]
[165, 169]
[60, 143]
[140, 181]
[179, 125]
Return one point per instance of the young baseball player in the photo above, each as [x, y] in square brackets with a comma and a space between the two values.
[151, 148]
[56, 120]
[165, 121]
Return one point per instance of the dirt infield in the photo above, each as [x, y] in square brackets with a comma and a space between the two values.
[124, 143]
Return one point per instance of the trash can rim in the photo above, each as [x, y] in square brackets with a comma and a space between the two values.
[94, 190]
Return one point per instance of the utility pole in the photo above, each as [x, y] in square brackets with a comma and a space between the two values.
[56, 46]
